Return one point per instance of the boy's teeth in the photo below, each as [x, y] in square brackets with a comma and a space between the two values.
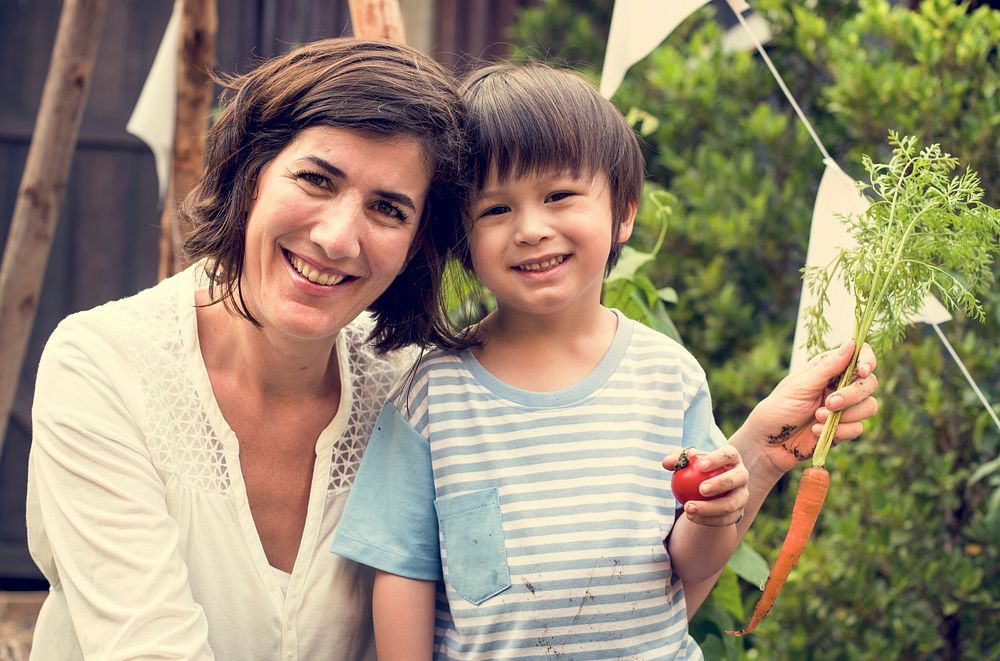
[313, 275]
[541, 266]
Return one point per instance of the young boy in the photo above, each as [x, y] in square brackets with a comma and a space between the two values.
[526, 473]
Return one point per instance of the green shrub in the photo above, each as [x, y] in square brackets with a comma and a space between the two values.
[904, 563]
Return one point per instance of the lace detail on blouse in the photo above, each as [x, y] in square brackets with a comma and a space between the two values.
[181, 438]
[373, 377]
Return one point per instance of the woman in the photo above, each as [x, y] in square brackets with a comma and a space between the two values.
[194, 444]
[190, 460]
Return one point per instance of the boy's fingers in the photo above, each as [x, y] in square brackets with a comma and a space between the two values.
[728, 481]
[718, 512]
[724, 456]
[719, 484]
[670, 459]
[713, 521]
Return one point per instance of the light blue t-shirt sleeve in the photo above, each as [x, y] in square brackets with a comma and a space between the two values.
[389, 521]
[700, 430]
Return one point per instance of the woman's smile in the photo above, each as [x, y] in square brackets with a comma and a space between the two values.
[315, 274]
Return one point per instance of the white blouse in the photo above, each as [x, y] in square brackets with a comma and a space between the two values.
[137, 512]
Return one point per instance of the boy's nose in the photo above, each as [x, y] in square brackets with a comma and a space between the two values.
[531, 229]
[339, 230]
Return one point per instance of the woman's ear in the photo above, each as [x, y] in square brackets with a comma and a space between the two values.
[628, 222]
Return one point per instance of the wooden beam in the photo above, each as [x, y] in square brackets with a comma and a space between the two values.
[377, 19]
[195, 62]
[43, 183]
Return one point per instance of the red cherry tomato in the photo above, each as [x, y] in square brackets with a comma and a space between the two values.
[688, 477]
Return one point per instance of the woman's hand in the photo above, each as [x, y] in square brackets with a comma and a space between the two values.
[730, 487]
[790, 420]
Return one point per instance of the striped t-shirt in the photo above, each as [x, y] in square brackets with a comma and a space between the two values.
[547, 511]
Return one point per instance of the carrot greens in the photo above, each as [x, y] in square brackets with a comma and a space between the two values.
[925, 232]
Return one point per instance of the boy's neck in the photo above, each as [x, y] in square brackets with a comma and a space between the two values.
[544, 353]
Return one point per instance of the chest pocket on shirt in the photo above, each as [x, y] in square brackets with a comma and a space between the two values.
[475, 553]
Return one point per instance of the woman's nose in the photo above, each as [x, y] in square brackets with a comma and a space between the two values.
[339, 230]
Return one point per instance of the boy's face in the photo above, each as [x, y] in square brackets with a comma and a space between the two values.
[540, 243]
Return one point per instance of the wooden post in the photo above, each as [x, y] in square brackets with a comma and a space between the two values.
[195, 61]
[42, 186]
[377, 19]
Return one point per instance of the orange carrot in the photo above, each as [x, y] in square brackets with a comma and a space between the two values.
[813, 485]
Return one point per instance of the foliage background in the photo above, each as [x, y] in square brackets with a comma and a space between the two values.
[904, 562]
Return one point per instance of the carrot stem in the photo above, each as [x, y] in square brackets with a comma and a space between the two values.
[829, 432]
[813, 485]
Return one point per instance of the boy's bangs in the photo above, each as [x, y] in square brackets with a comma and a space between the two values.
[532, 129]
[517, 149]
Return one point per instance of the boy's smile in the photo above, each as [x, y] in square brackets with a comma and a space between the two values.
[540, 242]
[543, 264]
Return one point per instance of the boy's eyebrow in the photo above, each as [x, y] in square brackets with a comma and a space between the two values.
[555, 175]
[337, 173]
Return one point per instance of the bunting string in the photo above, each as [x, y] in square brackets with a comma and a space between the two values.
[781, 82]
[968, 376]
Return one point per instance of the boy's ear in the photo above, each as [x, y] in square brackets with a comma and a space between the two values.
[628, 222]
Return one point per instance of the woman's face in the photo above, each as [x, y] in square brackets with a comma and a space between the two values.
[331, 226]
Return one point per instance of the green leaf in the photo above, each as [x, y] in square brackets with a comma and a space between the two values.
[986, 469]
[727, 592]
[647, 123]
[993, 514]
[629, 263]
[711, 647]
[749, 565]
[667, 294]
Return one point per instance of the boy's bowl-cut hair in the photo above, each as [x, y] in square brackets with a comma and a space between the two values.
[531, 119]
[376, 88]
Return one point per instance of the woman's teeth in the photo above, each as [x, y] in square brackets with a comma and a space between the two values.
[541, 266]
[313, 275]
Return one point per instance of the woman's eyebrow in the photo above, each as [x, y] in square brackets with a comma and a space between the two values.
[336, 172]
[331, 169]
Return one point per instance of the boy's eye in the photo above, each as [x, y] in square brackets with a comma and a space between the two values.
[389, 209]
[495, 210]
[561, 195]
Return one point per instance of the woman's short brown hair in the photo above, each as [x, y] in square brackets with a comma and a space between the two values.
[373, 87]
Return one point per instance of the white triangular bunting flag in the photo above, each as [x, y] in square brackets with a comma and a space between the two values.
[154, 115]
[637, 27]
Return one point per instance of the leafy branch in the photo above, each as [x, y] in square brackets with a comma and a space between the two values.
[630, 290]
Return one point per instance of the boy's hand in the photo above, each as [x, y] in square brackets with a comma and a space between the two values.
[727, 509]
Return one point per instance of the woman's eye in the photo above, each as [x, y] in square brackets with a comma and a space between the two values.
[389, 209]
[314, 179]
[561, 195]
